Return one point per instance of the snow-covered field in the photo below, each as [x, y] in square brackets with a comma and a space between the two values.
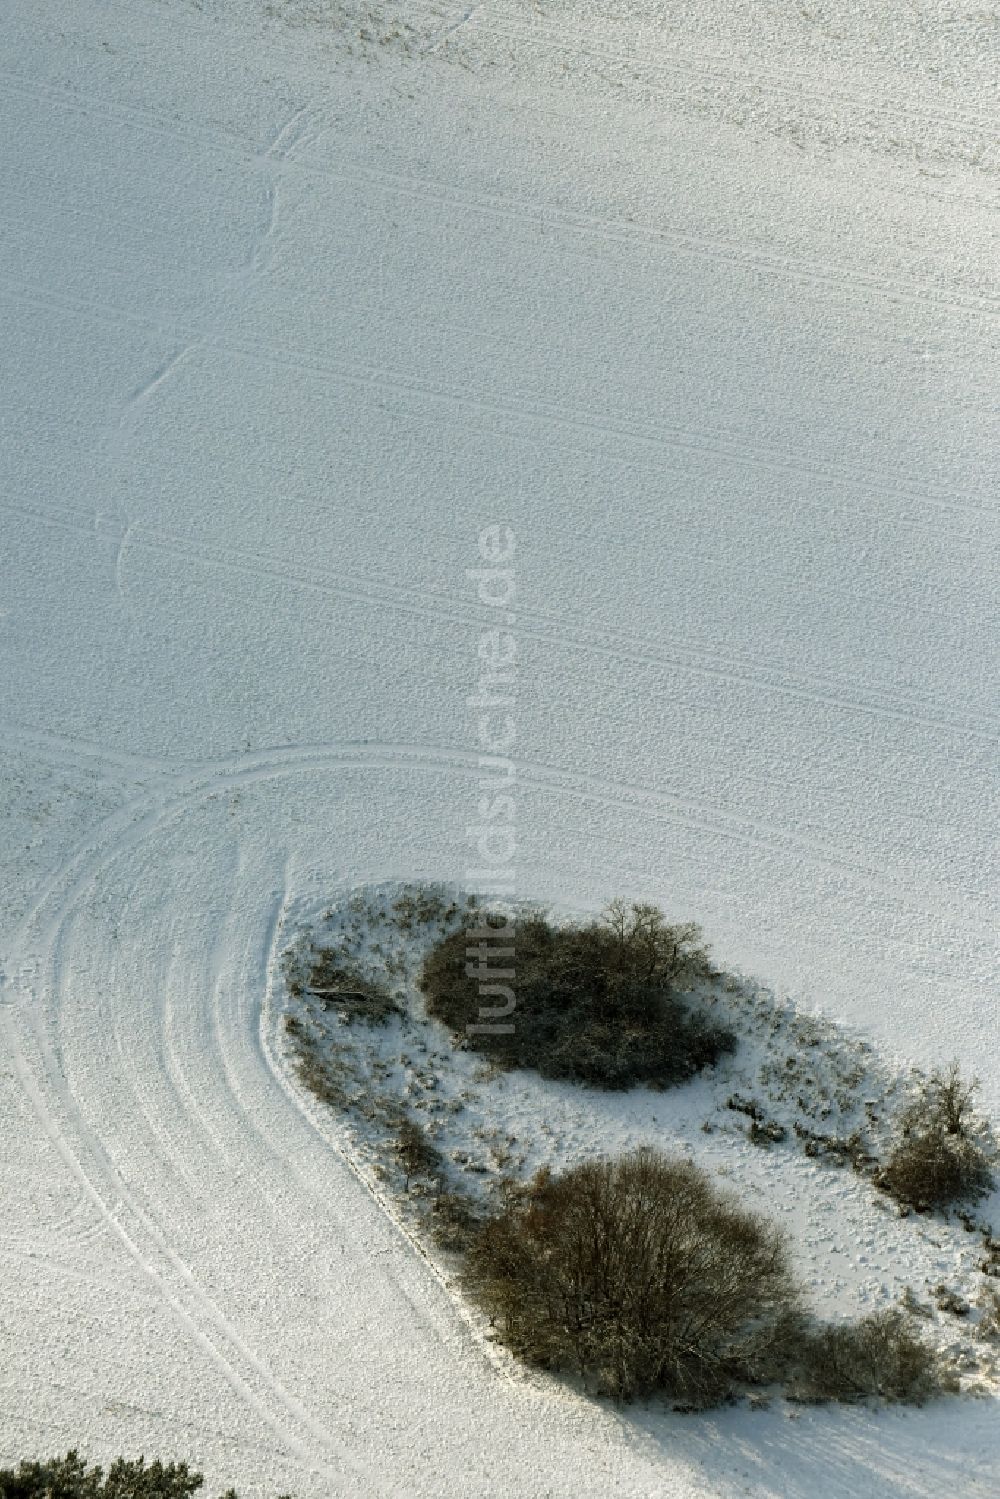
[297, 299]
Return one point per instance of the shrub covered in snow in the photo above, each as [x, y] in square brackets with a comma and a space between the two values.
[416, 1152]
[943, 1154]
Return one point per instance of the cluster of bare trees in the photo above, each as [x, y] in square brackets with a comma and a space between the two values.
[602, 1002]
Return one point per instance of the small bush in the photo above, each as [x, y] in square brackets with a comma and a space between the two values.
[423, 905]
[417, 1154]
[637, 1275]
[942, 1155]
[879, 1355]
[597, 1003]
[69, 1477]
[947, 1300]
[454, 1221]
[326, 1076]
[762, 1130]
[840, 1150]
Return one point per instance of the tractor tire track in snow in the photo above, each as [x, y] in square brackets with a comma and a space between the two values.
[134, 1222]
[764, 77]
[124, 1209]
[206, 1326]
[132, 825]
[555, 631]
[718, 92]
[734, 446]
[893, 287]
[545, 628]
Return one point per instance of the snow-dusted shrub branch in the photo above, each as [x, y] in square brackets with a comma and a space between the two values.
[944, 1153]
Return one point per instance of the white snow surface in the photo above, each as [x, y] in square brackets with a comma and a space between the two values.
[297, 298]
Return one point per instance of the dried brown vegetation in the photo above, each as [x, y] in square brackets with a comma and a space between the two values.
[943, 1155]
[637, 1275]
[599, 1003]
[879, 1355]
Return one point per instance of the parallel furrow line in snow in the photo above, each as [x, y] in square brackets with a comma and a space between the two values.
[730, 446]
[759, 74]
[178, 1060]
[176, 1077]
[897, 288]
[83, 103]
[62, 516]
[758, 77]
[119, 1024]
[66, 518]
[550, 631]
[85, 753]
[132, 824]
[18, 947]
[894, 287]
[659, 804]
[147, 1240]
[148, 1244]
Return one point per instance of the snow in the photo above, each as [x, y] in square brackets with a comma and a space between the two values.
[701, 302]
